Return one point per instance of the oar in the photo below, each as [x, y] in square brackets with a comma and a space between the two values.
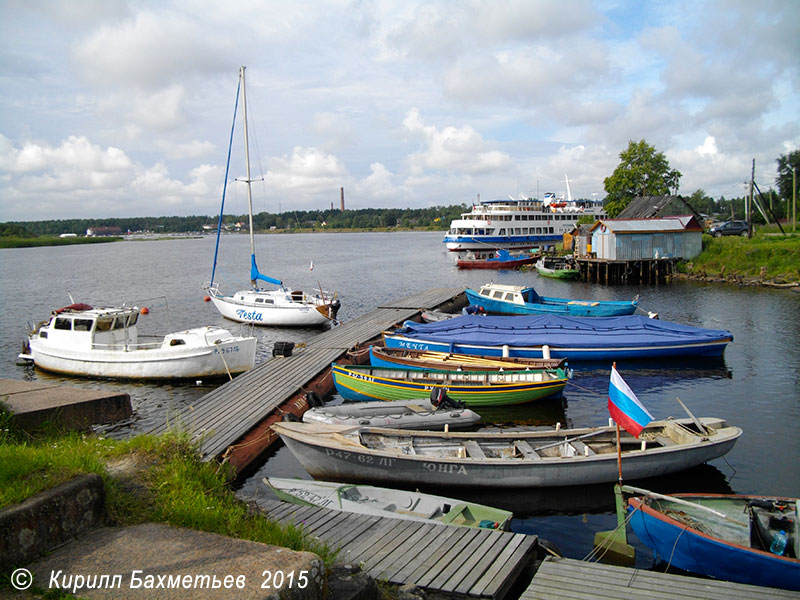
[695, 420]
[635, 490]
[568, 440]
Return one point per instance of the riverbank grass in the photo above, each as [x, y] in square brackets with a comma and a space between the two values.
[147, 479]
[765, 257]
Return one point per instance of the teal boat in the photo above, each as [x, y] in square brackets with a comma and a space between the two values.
[474, 388]
[498, 298]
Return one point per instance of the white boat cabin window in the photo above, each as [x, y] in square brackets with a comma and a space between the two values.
[62, 323]
[82, 324]
[261, 300]
[497, 294]
[509, 296]
[485, 292]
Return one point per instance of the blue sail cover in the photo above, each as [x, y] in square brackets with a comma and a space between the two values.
[256, 275]
[625, 332]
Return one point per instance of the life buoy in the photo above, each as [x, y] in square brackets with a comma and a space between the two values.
[602, 228]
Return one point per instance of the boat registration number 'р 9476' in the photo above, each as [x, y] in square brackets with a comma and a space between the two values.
[228, 350]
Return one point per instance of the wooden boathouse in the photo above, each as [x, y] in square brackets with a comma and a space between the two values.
[637, 250]
[233, 422]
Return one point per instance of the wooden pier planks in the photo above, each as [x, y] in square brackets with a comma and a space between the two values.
[563, 578]
[224, 415]
[444, 559]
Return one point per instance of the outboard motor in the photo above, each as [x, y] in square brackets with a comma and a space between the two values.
[440, 400]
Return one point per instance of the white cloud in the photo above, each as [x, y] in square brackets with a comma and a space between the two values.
[452, 148]
[402, 102]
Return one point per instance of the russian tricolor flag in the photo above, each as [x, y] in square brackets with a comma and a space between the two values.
[624, 406]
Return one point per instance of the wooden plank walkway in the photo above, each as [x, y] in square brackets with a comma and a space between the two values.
[227, 413]
[564, 578]
[441, 559]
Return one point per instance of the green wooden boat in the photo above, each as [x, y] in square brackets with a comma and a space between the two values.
[557, 267]
[474, 388]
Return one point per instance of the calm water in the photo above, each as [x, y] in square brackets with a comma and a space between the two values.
[756, 386]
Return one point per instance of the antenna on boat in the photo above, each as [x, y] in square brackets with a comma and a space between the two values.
[569, 191]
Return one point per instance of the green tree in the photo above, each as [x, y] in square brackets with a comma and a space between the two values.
[784, 180]
[642, 172]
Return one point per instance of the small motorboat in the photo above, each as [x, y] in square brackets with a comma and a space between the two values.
[499, 298]
[557, 267]
[385, 502]
[725, 536]
[400, 414]
[499, 259]
[519, 458]
[104, 342]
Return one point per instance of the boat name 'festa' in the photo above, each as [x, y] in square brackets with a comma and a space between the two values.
[385, 461]
[248, 316]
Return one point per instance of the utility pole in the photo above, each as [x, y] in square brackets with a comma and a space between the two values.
[794, 199]
[749, 202]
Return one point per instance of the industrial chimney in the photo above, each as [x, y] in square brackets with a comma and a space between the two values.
[341, 196]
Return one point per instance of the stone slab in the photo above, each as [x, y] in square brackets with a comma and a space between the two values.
[33, 404]
[157, 561]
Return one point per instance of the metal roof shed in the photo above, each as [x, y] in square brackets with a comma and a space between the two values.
[647, 239]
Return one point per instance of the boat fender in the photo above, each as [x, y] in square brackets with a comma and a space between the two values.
[314, 401]
[290, 418]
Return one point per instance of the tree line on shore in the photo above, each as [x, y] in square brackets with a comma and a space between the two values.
[643, 171]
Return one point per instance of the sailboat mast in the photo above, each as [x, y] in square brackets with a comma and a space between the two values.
[247, 167]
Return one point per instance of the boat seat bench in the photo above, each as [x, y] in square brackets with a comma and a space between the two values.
[582, 448]
[526, 450]
[473, 449]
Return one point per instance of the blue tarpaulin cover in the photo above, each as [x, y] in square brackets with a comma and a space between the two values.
[560, 331]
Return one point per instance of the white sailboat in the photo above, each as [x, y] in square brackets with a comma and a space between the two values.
[280, 306]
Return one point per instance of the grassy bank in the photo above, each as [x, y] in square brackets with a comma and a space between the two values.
[147, 479]
[768, 257]
[33, 242]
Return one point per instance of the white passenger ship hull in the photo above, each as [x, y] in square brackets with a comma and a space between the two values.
[518, 224]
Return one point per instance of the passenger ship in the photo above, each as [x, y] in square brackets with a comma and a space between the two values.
[519, 223]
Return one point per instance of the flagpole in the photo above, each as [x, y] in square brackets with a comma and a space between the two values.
[619, 444]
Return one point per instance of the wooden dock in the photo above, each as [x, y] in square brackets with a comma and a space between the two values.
[610, 272]
[233, 422]
[441, 559]
[569, 579]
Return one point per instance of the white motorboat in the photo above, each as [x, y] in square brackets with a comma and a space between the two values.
[385, 502]
[281, 306]
[104, 342]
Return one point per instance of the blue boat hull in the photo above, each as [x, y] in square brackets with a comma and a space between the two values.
[554, 306]
[692, 551]
[574, 338]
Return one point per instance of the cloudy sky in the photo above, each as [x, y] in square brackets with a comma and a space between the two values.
[117, 109]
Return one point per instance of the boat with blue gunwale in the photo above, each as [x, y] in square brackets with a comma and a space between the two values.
[498, 298]
[573, 338]
[380, 356]
[724, 536]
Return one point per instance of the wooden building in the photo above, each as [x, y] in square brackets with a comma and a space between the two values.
[645, 239]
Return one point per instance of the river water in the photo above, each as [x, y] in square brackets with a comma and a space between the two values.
[755, 386]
